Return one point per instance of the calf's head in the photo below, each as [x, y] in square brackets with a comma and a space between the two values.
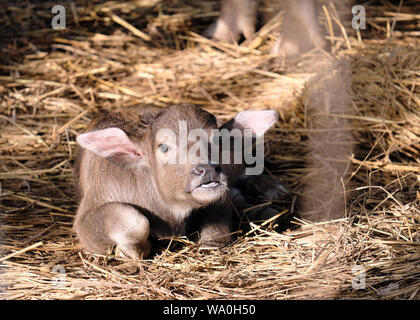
[173, 148]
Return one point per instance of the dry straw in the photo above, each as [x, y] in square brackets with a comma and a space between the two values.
[118, 54]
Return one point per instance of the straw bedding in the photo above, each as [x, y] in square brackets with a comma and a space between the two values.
[119, 54]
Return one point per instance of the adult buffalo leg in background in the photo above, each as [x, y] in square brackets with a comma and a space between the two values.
[236, 17]
[300, 31]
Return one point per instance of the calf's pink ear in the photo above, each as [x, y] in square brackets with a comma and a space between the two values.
[259, 121]
[110, 142]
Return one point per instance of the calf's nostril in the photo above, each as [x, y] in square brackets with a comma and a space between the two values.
[199, 171]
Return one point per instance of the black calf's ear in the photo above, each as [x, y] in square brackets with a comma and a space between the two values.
[259, 121]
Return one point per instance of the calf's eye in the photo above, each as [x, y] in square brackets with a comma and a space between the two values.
[163, 148]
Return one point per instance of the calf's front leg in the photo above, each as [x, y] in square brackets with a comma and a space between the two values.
[213, 225]
[115, 224]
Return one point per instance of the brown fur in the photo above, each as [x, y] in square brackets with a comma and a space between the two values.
[124, 201]
[102, 181]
